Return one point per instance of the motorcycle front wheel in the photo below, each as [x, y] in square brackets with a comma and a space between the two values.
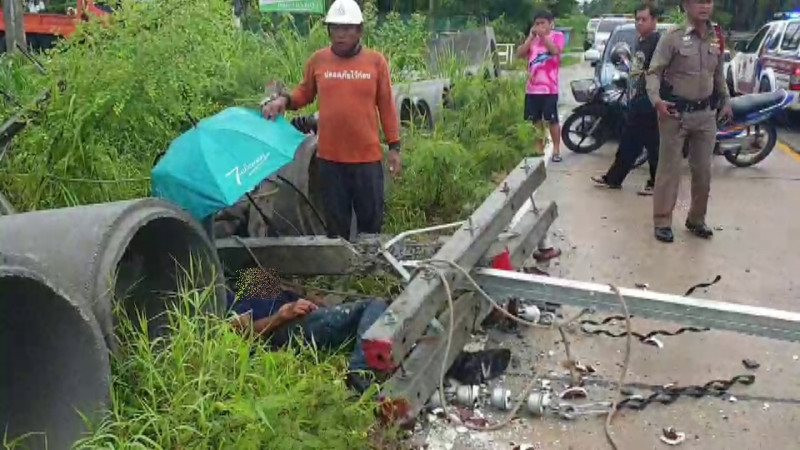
[751, 146]
[584, 130]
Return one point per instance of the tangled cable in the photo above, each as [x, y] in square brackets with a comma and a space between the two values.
[667, 395]
[641, 337]
[434, 265]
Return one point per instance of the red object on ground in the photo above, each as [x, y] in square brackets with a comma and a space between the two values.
[503, 261]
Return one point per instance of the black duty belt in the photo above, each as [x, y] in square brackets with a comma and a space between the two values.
[687, 106]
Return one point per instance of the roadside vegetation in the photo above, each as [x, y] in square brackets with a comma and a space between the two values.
[121, 93]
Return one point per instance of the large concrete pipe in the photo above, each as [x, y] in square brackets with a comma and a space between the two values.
[53, 358]
[132, 252]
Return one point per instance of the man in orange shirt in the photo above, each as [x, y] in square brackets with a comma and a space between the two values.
[354, 88]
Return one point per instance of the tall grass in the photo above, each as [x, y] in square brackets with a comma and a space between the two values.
[205, 386]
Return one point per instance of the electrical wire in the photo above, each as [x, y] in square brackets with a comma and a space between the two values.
[307, 200]
[623, 372]
[432, 264]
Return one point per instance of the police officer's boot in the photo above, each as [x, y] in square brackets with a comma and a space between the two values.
[664, 234]
[700, 230]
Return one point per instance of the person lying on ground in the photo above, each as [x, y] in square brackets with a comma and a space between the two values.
[266, 308]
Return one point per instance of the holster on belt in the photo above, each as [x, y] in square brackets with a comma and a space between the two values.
[685, 105]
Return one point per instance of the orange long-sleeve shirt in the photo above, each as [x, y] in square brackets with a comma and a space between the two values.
[353, 93]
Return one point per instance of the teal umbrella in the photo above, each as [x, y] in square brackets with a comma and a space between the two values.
[223, 158]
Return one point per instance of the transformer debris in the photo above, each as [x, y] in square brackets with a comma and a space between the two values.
[670, 436]
[751, 364]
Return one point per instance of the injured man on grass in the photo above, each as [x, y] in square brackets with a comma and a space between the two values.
[264, 306]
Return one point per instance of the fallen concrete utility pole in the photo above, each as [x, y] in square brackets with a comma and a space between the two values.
[689, 311]
[410, 387]
[296, 256]
[391, 338]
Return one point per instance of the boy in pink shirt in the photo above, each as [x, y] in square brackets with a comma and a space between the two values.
[543, 49]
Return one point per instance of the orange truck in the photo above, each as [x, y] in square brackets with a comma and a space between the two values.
[43, 29]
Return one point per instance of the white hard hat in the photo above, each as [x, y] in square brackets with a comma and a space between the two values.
[344, 12]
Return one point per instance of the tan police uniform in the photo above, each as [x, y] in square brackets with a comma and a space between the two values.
[686, 69]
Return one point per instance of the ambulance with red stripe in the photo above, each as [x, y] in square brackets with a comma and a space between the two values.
[771, 60]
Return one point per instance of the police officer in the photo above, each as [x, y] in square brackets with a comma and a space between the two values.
[686, 85]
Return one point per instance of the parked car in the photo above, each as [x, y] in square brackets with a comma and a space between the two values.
[591, 29]
[598, 39]
[770, 61]
[623, 33]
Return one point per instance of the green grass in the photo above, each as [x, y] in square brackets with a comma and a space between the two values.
[570, 60]
[130, 89]
[208, 387]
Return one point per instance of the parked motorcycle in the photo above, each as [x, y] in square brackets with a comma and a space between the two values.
[601, 116]
[751, 135]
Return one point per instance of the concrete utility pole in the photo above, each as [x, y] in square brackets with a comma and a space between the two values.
[15, 30]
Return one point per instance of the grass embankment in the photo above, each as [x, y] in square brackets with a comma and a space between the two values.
[132, 87]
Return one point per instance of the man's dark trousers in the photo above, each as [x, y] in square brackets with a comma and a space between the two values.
[641, 132]
[348, 188]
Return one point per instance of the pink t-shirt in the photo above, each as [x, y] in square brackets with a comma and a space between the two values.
[544, 71]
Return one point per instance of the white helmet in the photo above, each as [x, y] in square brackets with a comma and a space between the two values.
[344, 12]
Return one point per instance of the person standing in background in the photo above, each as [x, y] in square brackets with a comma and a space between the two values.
[543, 49]
[641, 126]
[353, 85]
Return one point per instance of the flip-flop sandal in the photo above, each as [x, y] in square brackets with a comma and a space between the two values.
[556, 158]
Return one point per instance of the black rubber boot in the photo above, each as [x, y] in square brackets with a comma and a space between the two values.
[701, 230]
[664, 234]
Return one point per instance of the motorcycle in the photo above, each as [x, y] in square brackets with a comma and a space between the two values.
[751, 135]
[601, 116]
[747, 139]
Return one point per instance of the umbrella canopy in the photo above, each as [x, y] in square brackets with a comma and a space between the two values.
[222, 158]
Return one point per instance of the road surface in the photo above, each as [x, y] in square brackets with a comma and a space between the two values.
[606, 236]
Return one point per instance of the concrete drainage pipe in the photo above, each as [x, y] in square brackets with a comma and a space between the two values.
[134, 251]
[53, 359]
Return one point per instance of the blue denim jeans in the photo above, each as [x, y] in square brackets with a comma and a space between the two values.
[332, 328]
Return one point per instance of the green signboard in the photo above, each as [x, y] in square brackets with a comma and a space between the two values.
[293, 6]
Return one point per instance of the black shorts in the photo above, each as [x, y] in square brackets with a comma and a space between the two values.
[541, 107]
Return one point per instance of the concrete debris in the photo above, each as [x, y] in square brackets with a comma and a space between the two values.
[584, 369]
[522, 446]
[750, 364]
[733, 399]
[461, 429]
[530, 313]
[670, 436]
[654, 341]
